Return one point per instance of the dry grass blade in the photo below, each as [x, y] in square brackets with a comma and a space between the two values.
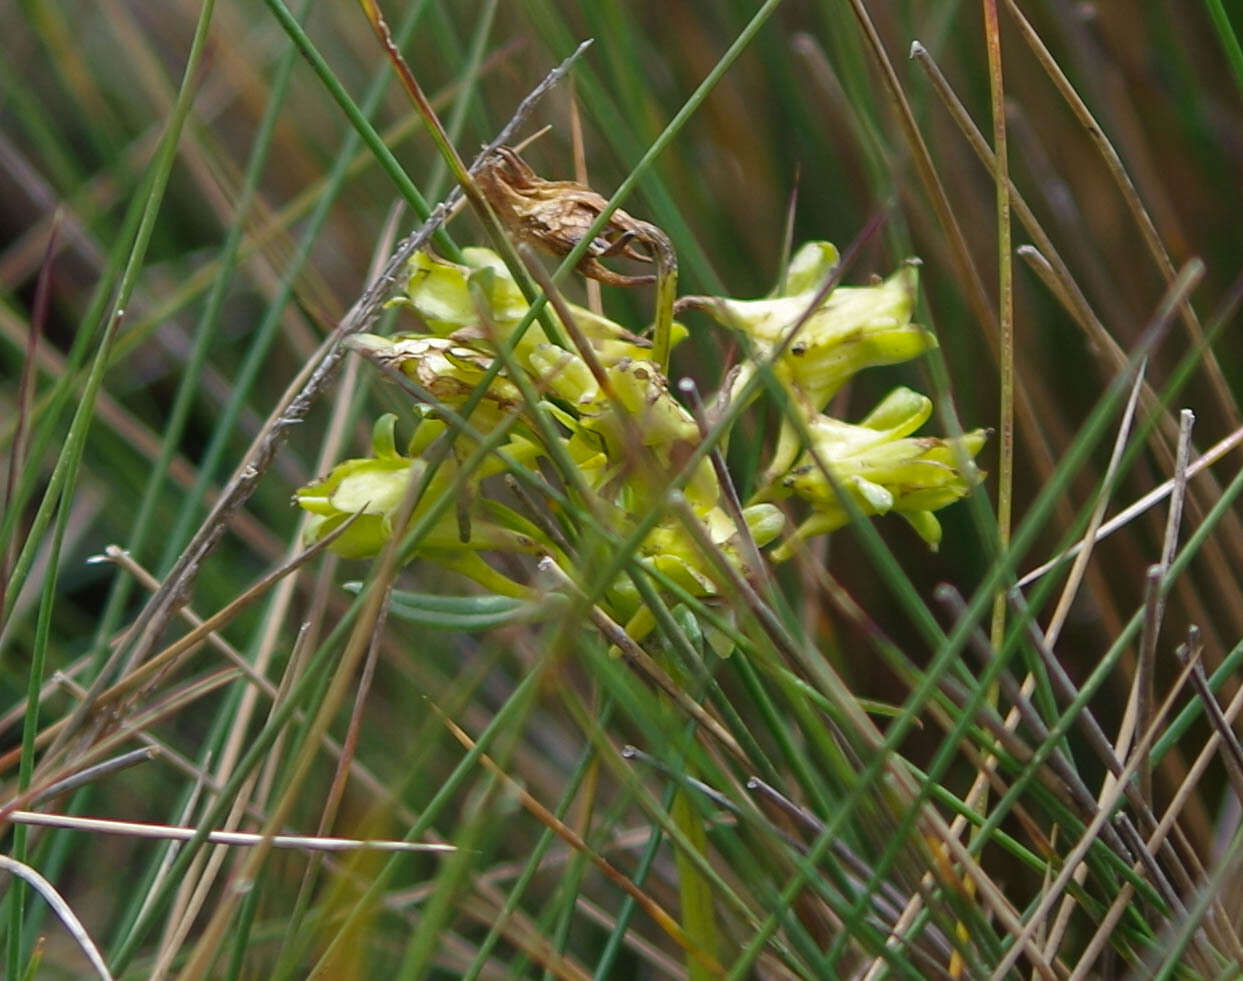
[140, 678]
[649, 905]
[1083, 551]
[168, 832]
[1154, 597]
[93, 773]
[933, 186]
[1134, 510]
[134, 727]
[1232, 750]
[1130, 195]
[615, 634]
[1094, 828]
[62, 910]
[1019, 699]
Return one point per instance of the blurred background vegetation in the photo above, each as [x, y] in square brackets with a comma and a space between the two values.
[275, 216]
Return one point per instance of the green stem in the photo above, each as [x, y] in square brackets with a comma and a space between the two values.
[698, 916]
[416, 200]
[666, 293]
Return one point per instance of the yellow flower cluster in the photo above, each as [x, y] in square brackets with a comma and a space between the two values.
[628, 436]
[877, 462]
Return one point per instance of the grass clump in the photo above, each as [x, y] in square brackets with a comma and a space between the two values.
[590, 646]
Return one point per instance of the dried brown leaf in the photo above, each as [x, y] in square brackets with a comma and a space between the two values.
[555, 215]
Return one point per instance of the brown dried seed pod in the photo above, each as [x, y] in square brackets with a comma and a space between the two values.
[555, 215]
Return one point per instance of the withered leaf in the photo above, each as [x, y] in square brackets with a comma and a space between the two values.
[555, 215]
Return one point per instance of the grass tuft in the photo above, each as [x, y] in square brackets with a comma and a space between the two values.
[591, 644]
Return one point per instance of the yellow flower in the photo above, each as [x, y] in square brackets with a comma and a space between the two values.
[853, 328]
[633, 414]
[374, 487]
[882, 468]
[440, 293]
[669, 549]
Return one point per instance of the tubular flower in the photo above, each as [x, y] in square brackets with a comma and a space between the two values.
[852, 328]
[882, 468]
[631, 435]
[670, 550]
[374, 487]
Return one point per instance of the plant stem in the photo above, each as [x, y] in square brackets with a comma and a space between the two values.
[698, 917]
